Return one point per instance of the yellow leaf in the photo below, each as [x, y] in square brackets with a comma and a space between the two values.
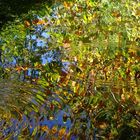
[44, 128]
[61, 132]
[51, 118]
[73, 83]
[118, 19]
[103, 125]
[94, 15]
[54, 129]
[123, 97]
[40, 22]
[138, 12]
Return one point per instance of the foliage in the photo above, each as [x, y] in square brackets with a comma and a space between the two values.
[12, 9]
[89, 44]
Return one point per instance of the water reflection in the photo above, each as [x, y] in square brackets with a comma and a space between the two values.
[28, 113]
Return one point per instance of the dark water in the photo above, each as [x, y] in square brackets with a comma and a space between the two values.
[26, 112]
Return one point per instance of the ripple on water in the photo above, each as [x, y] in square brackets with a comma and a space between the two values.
[26, 113]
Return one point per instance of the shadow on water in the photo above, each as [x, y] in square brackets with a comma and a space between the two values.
[29, 113]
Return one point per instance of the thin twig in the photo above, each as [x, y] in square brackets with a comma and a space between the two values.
[115, 98]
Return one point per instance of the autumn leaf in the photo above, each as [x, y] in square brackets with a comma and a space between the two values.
[138, 12]
[66, 4]
[41, 22]
[54, 130]
[27, 24]
[38, 22]
[66, 45]
[44, 128]
[62, 132]
[123, 97]
[102, 125]
[116, 14]
[35, 21]
[19, 69]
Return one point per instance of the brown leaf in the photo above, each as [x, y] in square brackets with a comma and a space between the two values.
[27, 23]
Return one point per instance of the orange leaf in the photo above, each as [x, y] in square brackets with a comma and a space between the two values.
[40, 22]
[27, 23]
[66, 5]
[45, 128]
[35, 21]
[61, 132]
[18, 69]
